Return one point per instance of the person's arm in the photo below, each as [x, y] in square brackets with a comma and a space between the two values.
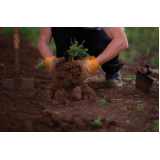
[118, 44]
[44, 42]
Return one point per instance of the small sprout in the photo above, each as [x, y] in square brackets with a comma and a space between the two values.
[101, 102]
[57, 113]
[133, 78]
[140, 107]
[111, 117]
[41, 65]
[97, 122]
[155, 126]
[123, 108]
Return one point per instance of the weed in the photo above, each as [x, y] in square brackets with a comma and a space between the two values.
[123, 108]
[133, 78]
[155, 126]
[101, 102]
[57, 113]
[97, 122]
[77, 52]
[140, 107]
[41, 65]
[111, 117]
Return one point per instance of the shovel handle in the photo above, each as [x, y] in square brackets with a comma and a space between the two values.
[16, 37]
[144, 71]
[16, 50]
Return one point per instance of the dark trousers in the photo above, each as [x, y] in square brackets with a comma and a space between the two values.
[95, 40]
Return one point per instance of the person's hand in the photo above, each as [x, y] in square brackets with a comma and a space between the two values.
[51, 63]
[54, 63]
[88, 66]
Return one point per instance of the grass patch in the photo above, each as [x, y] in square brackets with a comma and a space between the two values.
[141, 40]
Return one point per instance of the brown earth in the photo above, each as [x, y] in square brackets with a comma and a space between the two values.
[38, 110]
[66, 87]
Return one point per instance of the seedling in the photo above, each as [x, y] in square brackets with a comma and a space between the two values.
[97, 122]
[133, 78]
[57, 113]
[101, 102]
[123, 108]
[155, 126]
[77, 52]
[41, 65]
[140, 107]
[111, 117]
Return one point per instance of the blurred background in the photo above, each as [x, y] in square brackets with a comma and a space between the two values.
[143, 42]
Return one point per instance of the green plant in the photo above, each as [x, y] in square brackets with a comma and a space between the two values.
[111, 117]
[41, 65]
[140, 107]
[77, 52]
[57, 113]
[97, 122]
[155, 126]
[123, 108]
[101, 102]
[133, 78]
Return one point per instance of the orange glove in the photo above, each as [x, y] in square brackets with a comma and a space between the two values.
[51, 63]
[88, 66]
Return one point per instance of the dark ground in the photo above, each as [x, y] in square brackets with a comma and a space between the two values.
[34, 109]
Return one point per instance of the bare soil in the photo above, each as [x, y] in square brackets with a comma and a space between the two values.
[39, 109]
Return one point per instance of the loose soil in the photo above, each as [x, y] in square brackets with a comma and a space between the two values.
[41, 108]
[66, 87]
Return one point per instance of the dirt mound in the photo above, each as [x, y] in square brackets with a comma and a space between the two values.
[63, 96]
[67, 86]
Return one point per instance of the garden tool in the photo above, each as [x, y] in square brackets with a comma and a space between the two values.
[17, 81]
[143, 81]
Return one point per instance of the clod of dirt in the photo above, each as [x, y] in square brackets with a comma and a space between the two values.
[68, 74]
[76, 94]
[87, 92]
[62, 96]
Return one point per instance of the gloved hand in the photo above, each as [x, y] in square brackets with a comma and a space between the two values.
[51, 63]
[88, 66]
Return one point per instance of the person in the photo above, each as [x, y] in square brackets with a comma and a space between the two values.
[104, 43]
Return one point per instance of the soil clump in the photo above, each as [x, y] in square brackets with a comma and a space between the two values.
[67, 85]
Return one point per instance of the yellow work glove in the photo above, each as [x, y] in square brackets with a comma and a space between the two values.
[51, 63]
[88, 66]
